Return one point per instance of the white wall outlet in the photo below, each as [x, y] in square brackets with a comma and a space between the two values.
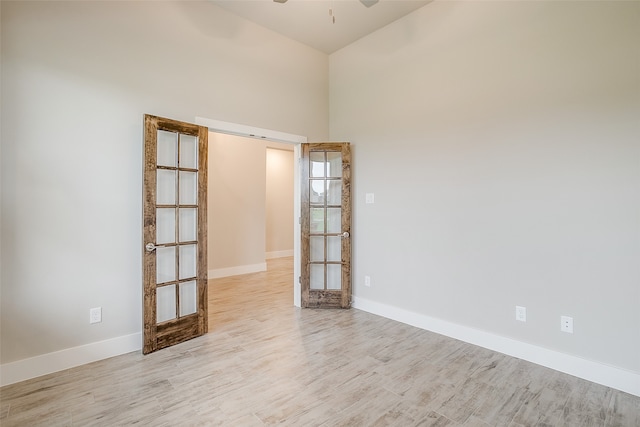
[367, 281]
[95, 315]
[369, 198]
[521, 313]
[566, 324]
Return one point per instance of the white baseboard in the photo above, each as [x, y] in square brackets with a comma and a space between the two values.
[609, 376]
[234, 271]
[279, 254]
[49, 363]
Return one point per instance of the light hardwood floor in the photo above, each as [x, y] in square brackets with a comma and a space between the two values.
[265, 362]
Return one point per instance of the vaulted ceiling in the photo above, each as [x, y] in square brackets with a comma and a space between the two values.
[326, 25]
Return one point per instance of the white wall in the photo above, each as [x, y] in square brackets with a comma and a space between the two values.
[76, 79]
[237, 205]
[502, 142]
[279, 203]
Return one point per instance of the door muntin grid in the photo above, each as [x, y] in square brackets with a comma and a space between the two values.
[176, 225]
[325, 220]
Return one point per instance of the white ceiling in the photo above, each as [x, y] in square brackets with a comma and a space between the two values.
[309, 21]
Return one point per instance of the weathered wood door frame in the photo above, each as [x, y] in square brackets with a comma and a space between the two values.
[193, 322]
[326, 225]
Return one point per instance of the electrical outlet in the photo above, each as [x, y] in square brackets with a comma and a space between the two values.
[95, 315]
[521, 313]
[369, 198]
[367, 281]
[566, 324]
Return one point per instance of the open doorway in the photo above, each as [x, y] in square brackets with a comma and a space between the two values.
[250, 208]
[256, 137]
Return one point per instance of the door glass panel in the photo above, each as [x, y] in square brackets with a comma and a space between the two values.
[167, 148]
[166, 187]
[317, 192]
[165, 225]
[188, 298]
[188, 188]
[334, 248]
[187, 261]
[317, 220]
[175, 220]
[316, 164]
[317, 248]
[334, 164]
[316, 279]
[188, 218]
[165, 264]
[165, 303]
[326, 200]
[188, 151]
[334, 221]
[334, 276]
[334, 192]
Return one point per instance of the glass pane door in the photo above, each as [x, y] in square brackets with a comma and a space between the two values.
[326, 222]
[175, 270]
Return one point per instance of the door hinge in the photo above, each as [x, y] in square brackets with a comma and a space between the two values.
[300, 280]
[299, 220]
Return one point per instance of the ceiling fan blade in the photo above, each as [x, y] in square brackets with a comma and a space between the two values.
[280, 1]
[367, 3]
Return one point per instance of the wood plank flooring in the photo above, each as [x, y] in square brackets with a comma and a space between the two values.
[265, 362]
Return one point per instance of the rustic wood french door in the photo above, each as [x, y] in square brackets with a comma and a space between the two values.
[175, 232]
[326, 225]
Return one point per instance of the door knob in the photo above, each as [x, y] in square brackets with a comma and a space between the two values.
[150, 247]
[345, 235]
